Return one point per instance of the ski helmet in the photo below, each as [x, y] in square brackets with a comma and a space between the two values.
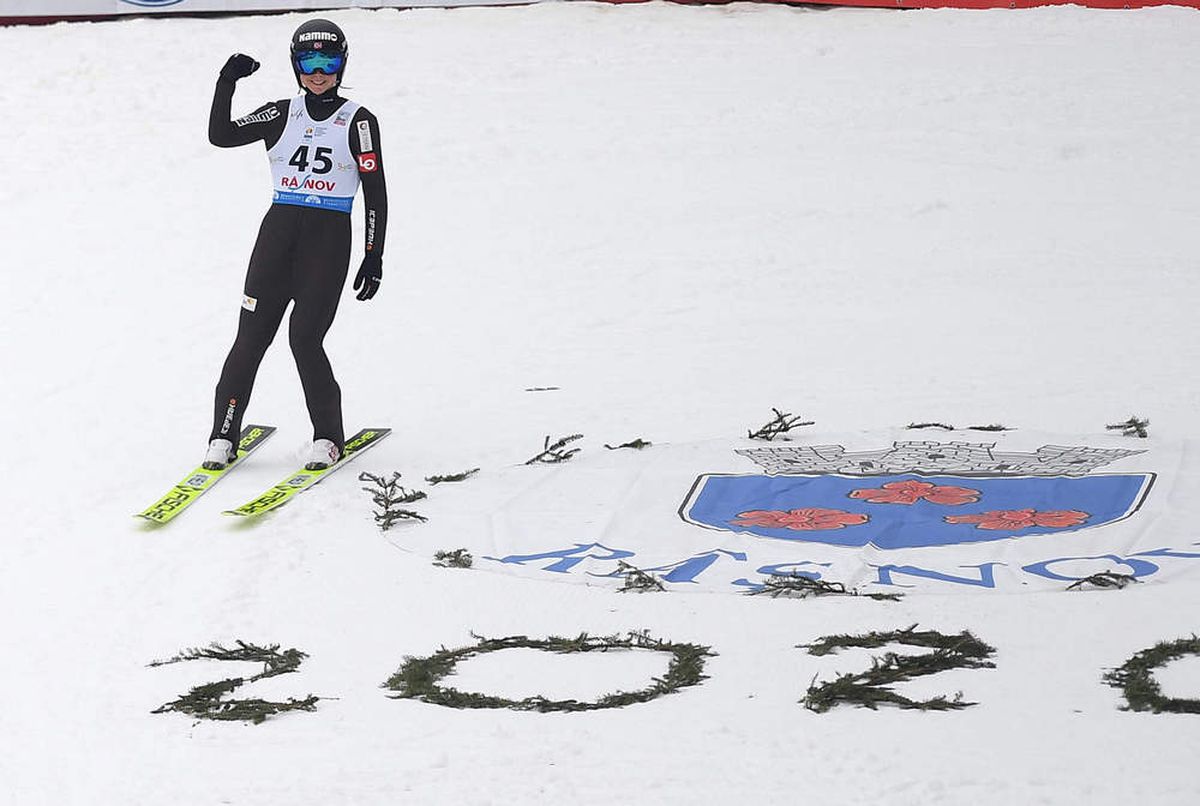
[320, 38]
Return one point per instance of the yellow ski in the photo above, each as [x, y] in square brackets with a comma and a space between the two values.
[303, 478]
[198, 482]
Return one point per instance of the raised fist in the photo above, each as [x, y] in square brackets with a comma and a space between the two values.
[238, 66]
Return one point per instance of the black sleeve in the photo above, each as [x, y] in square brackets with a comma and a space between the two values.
[265, 123]
[364, 144]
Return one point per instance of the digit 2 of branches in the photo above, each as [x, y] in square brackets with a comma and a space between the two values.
[207, 701]
[872, 688]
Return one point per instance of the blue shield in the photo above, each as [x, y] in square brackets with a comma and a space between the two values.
[911, 510]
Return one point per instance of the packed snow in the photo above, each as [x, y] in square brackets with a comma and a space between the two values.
[679, 217]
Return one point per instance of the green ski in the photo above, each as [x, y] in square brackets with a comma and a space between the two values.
[198, 482]
[303, 478]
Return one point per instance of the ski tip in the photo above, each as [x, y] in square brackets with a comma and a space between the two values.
[365, 437]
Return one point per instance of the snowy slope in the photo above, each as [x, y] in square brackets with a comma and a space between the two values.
[679, 216]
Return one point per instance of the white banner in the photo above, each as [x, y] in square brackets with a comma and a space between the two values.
[888, 512]
[82, 8]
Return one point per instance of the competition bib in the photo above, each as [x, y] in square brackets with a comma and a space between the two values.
[312, 165]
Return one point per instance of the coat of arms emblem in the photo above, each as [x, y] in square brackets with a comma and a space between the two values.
[917, 493]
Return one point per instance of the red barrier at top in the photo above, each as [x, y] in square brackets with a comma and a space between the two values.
[913, 4]
[986, 4]
[967, 4]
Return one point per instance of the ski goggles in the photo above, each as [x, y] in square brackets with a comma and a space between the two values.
[310, 61]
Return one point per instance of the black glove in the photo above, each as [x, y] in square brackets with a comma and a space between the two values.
[238, 66]
[369, 276]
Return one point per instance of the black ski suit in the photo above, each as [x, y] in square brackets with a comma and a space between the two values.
[302, 255]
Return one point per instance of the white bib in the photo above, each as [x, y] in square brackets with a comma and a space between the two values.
[312, 165]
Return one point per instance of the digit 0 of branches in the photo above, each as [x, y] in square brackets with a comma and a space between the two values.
[872, 688]
[782, 423]
[553, 454]
[208, 701]
[1135, 678]
[420, 678]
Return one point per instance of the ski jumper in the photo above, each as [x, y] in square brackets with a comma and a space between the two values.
[321, 147]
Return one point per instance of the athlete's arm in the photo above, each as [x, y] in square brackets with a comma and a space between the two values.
[265, 123]
[364, 144]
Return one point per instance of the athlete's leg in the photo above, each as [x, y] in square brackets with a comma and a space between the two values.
[321, 263]
[267, 293]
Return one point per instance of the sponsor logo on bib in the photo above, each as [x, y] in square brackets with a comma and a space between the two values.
[308, 183]
[365, 144]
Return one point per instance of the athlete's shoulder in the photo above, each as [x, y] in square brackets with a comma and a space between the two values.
[362, 113]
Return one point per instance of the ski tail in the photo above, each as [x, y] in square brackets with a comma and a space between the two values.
[303, 479]
[200, 480]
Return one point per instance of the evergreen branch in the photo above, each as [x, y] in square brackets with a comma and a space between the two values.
[795, 586]
[552, 454]
[388, 495]
[781, 424]
[466, 474]
[946, 427]
[637, 444]
[1133, 427]
[637, 580]
[386, 520]
[204, 703]
[458, 558]
[274, 662]
[1105, 579]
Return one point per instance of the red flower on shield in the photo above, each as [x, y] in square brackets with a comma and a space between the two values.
[1014, 519]
[909, 492]
[807, 519]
